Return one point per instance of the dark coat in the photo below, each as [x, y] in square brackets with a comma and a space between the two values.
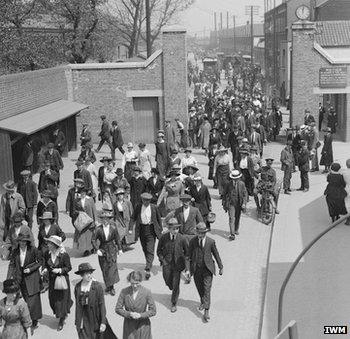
[29, 192]
[117, 138]
[86, 176]
[303, 160]
[105, 133]
[202, 199]
[96, 308]
[155, 220]
[59, 141]
[101, 174]
[137, 187]
[176, 256]
[155, 188]
[85, 137]
[188, 226]
[229, 197]
[70, 202]
[50, 207]
[31, 261]
[336, 186]
[27, 155]
[48, 182]
[327, 151]
[54, 230]
[55, 159]
[210, 250]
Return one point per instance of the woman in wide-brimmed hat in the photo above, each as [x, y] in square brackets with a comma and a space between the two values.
[56, 263]
[221, 168]
[246, 166]
[107, 244]
[24, 268]
[327, 150]
[14, 312]
[145, 162]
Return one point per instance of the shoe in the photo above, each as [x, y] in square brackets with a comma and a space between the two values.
[112, 292]
[173, 309]
[60, 325]
[201, 307]
[286, 192]
[289, 190]
[86, 253]
[236, 233]
[148, 275]
[306, 190]
[206, 316]
[300, 189]
[231, 237]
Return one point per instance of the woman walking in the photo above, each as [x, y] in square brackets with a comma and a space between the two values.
[246, 167]
[136, 305]
[91, 168]
[14, 312]
[162, 155]
[221, 168]
[108, 249]
[129, 161]
[335, 193]
[327, 150]
[145, 162]
[57, 263]
[24, 268]
[90, 309]
[204, 134]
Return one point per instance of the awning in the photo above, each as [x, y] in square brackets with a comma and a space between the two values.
[36, 119]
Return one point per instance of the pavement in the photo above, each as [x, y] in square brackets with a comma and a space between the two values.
[236, 295]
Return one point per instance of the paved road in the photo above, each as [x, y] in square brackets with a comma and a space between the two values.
[236, 296]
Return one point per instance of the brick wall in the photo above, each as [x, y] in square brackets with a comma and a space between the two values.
[175, 74]
[25, 91]
[104, 90]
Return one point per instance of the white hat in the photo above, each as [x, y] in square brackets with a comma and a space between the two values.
[235, 174]
[130, 145]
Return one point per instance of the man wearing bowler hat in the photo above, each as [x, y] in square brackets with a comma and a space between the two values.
[105, 134]
[202, 249]
[234, 201]
[148, 227]
[172, 252]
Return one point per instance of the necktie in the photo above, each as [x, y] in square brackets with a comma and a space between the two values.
[172, 238]
[201, 242]
[7, 210]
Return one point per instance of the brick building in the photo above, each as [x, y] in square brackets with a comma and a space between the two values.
[321, 71]
[139, 95]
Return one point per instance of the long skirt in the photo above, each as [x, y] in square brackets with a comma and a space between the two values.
[222, 174]
[248, 181]
[60, 300]
[129, 169]
[336, 206]
[162, 166]
[33, 302]
[83, 241]
[137, 329]
[108, 264]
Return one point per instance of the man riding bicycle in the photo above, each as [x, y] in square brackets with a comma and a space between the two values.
[267, 182]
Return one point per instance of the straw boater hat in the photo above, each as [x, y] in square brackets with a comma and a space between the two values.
[172, 223]
[146, 196]
[9, 186]
[201, 228]
[46, 216]
[235, 174]
[10, 286]
[55, 239]
[83, 268]
[120, 191]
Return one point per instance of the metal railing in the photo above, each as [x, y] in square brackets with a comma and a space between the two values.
[296, 262]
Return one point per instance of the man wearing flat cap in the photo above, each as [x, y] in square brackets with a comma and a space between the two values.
[29, 191]
[172, 252]
[105, 134]
[148, 227]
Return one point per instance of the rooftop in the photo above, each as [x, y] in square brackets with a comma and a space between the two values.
[333, 33]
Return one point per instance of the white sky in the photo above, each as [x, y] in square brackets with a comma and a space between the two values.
[201, 14]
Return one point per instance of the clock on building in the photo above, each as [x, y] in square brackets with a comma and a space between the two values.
[303, 12]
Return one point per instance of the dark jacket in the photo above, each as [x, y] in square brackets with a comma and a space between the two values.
[229, 194]
[48, 182]
[88, 153]
[86, 176]
[176, 256]
[100, 178]
[60, 141]
[336, 186]
[70, 202]
[188, 226]
[156, 220]
[105, 133]
[202, 199]
[55, 159]
[31, 261]
[210, 250]
[96, 306]
[85, 136]
[117, 139]
[303, 160]
[155, 188]
[29, 192]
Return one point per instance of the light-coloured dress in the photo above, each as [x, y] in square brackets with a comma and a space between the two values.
[145, 163]
[346, 175]
[15, 319]
[93, 173]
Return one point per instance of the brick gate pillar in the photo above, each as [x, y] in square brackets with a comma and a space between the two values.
[305, 72]
[175, 74]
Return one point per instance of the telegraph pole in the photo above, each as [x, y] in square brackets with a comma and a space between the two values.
[148, 29]
[252, 10]
[234, 33]
[216, 29]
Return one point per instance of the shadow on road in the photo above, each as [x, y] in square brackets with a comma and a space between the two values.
[49, 321]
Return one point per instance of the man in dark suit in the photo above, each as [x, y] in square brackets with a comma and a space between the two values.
[117, 139]
[202, 267]
[82, 173]
[27, 155]
[233, 142]
[187, 216]
[54, 157]
[72, 195]
[148, 227]
[155, 185]
[308, 118]
[172, 252]
[59, 140]
[105, 134]
[304, 166]
[48, 181]
[85, 135]
[29, 191]
[201, 196]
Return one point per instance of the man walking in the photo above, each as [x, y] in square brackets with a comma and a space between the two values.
[117, 139]
[234, 201]
[202, 267]
[287, 161]
[172, 252]
[105, 134]
[304, 167]
[148, 227]
[54, 158]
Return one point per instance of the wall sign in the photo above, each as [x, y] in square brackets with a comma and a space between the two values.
[333, 77]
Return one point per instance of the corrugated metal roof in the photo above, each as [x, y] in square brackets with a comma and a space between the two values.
[34, 120]
[333, 33]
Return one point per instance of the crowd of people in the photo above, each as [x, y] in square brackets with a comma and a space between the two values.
[146, 199]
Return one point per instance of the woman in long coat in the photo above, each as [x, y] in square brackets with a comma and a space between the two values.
[25, 271]
[136, 305]
[221, 168]
[204, 134]
[108, 249]
[14, 312]
[83, 239]
[327, 150]
[162, 155]
[335, 193]
[57, 263]
[246, 166]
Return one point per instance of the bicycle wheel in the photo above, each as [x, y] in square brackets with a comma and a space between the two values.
[268, 213]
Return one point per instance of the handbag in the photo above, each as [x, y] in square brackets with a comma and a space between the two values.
[61, 283]
[82, 221]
